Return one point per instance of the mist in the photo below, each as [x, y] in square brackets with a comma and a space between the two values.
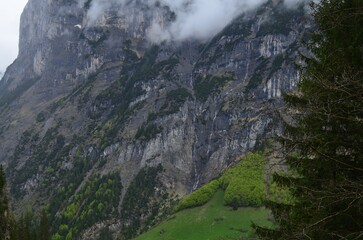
[200, 19]
[194, 19]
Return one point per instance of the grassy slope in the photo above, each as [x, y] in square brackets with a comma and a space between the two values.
[212, 221]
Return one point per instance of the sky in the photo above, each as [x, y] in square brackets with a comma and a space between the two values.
[9, 28]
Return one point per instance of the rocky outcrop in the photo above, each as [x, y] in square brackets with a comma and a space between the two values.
[87, 100]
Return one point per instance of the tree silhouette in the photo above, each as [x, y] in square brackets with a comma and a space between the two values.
[44, 227]
[324, 140]
[4, 210]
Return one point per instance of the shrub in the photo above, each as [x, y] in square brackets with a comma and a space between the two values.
[148, 132]
[199, 197]
[243, 184]
[205, 86]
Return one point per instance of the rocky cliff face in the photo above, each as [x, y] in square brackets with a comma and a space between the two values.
[102, 127]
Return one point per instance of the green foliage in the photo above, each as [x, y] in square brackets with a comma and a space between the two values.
[97, 200]
[69, 235]
[63, 229]
[148, 132]
[28, 226]
[57, 236]
[40, 117]
[146, 69]
[263, 146]
[264, 66]
[323, 142]
[47, 152]
[71, 211]
[258, 74]
[280, 21]
[280, 194]
[174, 101]
[105, 234]
[200, 196]
[205, 86]
[276, 64]
[70, 179]
[152, 116]
[24, 227]
[237, 30]
[4, 221]
[140, 200]
[243, 184]
[126, 90]
[44, 227]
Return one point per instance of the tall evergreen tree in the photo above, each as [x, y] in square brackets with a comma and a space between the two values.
[24, 227]
[7, 220]
[324, 141]
[4, 211]
[44, 227]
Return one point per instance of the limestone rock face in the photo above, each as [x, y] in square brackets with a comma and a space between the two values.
[90, 98]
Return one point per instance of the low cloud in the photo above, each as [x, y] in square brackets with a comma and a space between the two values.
[199, 19]
[194, 19]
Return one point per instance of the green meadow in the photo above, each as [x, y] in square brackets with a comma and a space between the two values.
[212, 221]
[222, 209]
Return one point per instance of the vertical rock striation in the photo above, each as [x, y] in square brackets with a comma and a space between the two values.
[89, 99]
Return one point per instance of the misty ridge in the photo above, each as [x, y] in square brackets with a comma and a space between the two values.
[191, 19]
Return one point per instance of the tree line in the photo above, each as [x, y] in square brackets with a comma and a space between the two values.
[323, 142]
[30, 226]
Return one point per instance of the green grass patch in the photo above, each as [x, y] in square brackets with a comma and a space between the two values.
[212, 221]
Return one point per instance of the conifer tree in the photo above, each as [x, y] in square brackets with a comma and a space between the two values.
[24, 227]
[324, 141]
[44, 227]
[4, 211]
[8, 227]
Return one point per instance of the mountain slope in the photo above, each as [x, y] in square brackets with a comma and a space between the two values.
[212, 221]
[230, 204]
[98, 109]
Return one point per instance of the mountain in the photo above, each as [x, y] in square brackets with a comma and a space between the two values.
[102, 127]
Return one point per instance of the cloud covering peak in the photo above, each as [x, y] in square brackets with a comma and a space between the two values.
[193, 19]
[199, 19]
